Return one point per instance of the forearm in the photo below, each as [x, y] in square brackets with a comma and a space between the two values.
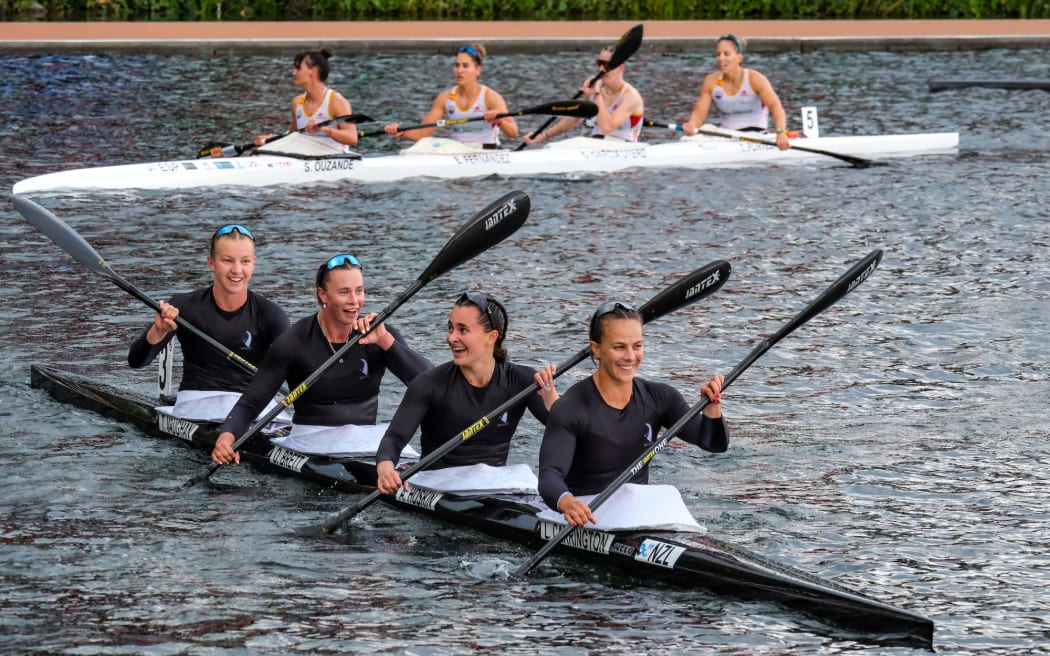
[405, 363]
[142, 351]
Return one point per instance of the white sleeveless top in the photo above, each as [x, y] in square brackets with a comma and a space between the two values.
[743, 110]
[475, 131]
[630, 128]
[322, 114]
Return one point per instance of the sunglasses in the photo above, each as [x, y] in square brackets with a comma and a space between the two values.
[470, 50]
[607, 308]
[227, 229]
[481, 300]
[342, 260]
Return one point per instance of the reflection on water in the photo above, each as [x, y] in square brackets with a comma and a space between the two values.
[895, 443]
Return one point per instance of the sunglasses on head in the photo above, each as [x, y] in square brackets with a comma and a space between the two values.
[227, 229]
[342, 260]
[608, 308]
[481, 300]
[470, 50]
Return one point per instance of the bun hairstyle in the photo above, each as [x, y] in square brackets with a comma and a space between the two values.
[316, 59]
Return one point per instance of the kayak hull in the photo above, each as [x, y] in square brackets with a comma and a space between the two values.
[690, 560]
[271, 170]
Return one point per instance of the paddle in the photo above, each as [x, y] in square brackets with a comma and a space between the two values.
[699, 284]
[846, 283]
[713, 131]
[627, 45]
[71, 242]
[486, 229]
[574, 108]
[214, 149]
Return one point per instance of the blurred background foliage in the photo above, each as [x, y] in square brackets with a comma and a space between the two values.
[436, 10]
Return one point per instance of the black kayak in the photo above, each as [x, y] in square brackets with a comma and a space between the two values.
[685, 560]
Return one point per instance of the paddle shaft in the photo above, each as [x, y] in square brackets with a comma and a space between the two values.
[243, 148]
[858, 162]
[572, 107]
[647, 123]
[550, 121]
[857, 274]
[625, 47]
[692, 287]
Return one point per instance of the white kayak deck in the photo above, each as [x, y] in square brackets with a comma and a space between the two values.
[268, 170]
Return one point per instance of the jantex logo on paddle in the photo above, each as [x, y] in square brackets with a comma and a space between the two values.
[864, 275]
[510, 208]
[703, 284]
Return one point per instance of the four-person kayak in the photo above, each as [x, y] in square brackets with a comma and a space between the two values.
[580, 155]
[691, 560]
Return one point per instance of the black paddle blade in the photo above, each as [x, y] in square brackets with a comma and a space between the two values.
[846, 283]
[313, 531]
[59, 232]
[628, 44]
[690, 288]
[488, 227]
[571, 108]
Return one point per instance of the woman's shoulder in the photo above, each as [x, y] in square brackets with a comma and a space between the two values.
[441, 375]
[516, 368]
[293, 340]
[256, 297]
[655, 388]
[754, 77]
[302, 326]
[195, 296]
[581, 392]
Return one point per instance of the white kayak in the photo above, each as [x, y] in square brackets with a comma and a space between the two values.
[580, 155]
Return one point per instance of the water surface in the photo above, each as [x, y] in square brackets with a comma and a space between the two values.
[897, 443]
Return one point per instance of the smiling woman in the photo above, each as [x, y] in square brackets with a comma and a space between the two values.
[606, 421]
[349, 391]
[453, 395]
[241, 320]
